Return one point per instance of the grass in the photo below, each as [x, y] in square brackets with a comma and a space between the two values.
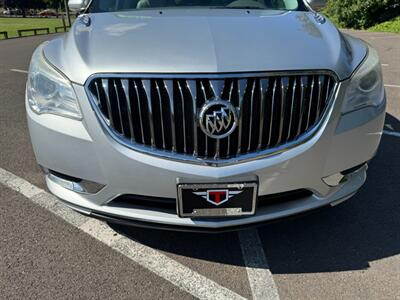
[11, 25]
[389, 26]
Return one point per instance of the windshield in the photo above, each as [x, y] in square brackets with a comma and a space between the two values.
[121, 5]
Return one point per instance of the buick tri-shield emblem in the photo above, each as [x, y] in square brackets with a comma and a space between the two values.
[218, 119]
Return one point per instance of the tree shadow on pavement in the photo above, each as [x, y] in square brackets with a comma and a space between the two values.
[346, 237]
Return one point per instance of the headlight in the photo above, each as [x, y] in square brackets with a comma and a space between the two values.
[48, 91]
[366, 87]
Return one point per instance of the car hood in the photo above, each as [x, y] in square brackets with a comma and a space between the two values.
[202, 41]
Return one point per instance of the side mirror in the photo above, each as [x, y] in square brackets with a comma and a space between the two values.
[316, 5]
[77, 5]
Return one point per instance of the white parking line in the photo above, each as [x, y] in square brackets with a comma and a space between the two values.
[392, 133]
[181, 276]
[392, 86]
[260, 278]
[19, 71]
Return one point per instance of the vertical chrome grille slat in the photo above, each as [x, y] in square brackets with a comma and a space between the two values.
[228, 150]
[217, 149]
[140, 112]
[183, 114]
[263, 93]
[119, 107]
[242, 84]
[217, 87]
[106, 89]
[284, 89]
[328, 91]
[147, 89]
[191, 85]
[271, 122]
[292, 109]
[162, 113]
[203, 90]
[169, 87]
[310, 101]
[320, 83]
[125, 88]
[251, 115]
[302, 108]
[97, 94]
[204, 95]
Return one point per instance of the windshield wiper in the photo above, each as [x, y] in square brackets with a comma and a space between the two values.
[238, 7]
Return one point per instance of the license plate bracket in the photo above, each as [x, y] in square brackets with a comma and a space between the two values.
[205, 200]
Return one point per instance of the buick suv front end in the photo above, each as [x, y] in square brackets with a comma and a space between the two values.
[204, 116]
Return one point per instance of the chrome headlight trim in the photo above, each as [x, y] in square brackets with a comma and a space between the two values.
[48, 91]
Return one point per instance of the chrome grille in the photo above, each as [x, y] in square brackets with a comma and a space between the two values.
[159, 114]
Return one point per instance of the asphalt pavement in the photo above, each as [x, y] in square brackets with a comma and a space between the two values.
[349, 251]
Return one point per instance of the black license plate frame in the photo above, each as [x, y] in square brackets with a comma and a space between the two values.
[213, 200]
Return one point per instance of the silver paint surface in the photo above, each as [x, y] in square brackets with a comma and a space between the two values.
[203, 41]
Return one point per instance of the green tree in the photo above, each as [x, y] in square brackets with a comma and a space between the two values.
[24, 5]
[362, 13]
[54, 3]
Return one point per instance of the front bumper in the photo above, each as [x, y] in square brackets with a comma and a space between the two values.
[84, 150]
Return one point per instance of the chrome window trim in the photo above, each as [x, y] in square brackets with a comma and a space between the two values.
[184, 158]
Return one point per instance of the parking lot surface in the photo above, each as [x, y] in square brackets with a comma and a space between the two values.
[47, 252]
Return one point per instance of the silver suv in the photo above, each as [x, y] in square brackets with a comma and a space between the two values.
[203, 115]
